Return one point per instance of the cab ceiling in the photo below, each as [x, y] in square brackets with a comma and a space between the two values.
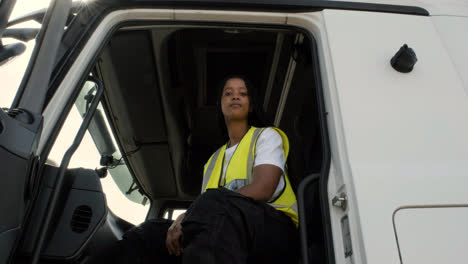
[161, 87]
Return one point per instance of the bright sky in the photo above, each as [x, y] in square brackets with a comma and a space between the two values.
[86, 155]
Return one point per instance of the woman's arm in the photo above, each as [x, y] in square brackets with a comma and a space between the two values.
[265, 180]
[268, 166]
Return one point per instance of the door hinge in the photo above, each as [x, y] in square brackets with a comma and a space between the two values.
[341, 201]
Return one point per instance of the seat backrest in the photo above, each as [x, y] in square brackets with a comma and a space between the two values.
[205, 138]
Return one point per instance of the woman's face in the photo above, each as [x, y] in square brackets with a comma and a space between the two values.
[235, 100]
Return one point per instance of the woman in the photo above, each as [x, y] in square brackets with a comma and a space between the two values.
[247, 211]
[239, 220]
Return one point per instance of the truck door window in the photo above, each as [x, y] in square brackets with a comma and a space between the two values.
[93, 148]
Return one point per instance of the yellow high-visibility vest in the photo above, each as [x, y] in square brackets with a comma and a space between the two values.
[239, 171]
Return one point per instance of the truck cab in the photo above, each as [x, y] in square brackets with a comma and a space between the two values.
[372, 95]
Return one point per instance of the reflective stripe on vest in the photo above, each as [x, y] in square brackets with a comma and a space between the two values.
[239, 171]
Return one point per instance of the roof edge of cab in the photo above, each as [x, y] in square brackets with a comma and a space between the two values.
[280, 5]
[256, 5]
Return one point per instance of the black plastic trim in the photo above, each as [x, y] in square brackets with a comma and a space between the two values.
[20, 137]
[310, 179]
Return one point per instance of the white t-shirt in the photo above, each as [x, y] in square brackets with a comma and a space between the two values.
[269, 150]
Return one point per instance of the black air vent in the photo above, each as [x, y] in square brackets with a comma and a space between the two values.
[81, 219]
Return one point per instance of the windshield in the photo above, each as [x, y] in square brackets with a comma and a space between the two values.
[110, 156]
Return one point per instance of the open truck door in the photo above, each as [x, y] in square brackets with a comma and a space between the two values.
[21, 125]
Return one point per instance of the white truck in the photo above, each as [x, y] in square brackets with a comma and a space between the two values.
[373, 96]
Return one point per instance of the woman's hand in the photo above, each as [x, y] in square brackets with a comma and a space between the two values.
[173, 236]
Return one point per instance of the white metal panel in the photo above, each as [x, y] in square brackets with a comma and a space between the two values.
[432, 235]
[315, 24]
[405, 134]
[434, 7]
[454, 34]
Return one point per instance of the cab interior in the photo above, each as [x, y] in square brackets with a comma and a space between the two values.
[160, 86]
